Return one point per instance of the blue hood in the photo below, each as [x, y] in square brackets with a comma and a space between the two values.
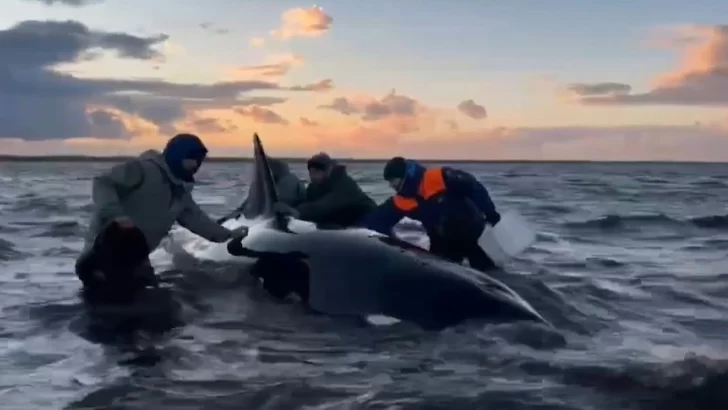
[181, 147]
[412, 179]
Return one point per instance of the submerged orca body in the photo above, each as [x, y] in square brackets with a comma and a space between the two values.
[356, 272]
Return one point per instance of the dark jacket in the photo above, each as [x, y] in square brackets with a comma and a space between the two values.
[337, 201]
[458, 210]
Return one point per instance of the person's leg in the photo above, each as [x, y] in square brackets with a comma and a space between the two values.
[445, 249]
[478, 259]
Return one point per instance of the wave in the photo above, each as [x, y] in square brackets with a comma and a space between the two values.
[615, 221]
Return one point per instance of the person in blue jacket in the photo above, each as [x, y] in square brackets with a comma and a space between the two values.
[451, 204]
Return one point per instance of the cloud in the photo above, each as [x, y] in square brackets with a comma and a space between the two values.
[262, 115]
[319, 86]
[300, 22]
[74, 3]
[701, 79]
[470, 109]
[452, 125]
[371, 109]
[308, 123]
[391, 115]
[38, 101]
[620, 143]
[257, 41]
[278, 68]
[211, 28]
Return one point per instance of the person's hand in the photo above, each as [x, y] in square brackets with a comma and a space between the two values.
[124, 222]
[239, 233]
[285, 209]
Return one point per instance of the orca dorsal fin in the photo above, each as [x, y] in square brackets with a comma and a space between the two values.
[262, 193]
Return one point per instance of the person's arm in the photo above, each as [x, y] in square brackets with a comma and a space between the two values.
[383, 218]
[290, 190]
[463, 183]
[198, 222]
[108, 188]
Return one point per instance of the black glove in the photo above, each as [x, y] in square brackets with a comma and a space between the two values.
[239, 233]
[285, 209]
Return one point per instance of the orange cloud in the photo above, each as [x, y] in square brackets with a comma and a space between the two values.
[308, 123]
[392, 114]
[700, 79]
[278, 67]
[257, 41]
[300, 22]
[320, 86]
[262, 115]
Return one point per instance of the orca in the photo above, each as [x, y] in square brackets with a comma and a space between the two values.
[358, 272]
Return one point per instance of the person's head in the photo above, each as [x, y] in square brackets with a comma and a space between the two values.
[184, 155]
[319, 167]
[394, 172]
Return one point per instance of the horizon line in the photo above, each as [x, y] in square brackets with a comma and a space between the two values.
[117, 158]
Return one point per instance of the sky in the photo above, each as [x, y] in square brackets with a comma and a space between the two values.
[476, 80]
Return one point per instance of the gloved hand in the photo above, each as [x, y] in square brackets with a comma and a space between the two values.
[285, 209]
[496, 218]
[239, 233]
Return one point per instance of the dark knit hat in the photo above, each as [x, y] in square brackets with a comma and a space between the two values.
[395, 168]
[321, 161]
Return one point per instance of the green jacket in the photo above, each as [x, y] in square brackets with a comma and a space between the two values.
[339, 200]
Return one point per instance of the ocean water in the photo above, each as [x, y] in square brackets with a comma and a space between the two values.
[630, 266]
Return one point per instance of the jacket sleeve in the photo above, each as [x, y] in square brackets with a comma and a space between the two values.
[198, 222]
[383, 218]
[465, 184]
[344, 194]
[109, 188]
[291, 190]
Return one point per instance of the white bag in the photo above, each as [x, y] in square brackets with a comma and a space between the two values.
[511, 236]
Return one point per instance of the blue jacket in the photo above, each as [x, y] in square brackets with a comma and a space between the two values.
[439, 198]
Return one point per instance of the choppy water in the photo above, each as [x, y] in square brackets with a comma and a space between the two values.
[630, 265]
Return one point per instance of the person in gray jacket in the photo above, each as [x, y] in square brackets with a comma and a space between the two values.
[136, 204]
[289, 187]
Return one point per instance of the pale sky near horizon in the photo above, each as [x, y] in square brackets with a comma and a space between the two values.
[462, 79]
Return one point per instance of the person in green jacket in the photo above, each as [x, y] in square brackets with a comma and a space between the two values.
[333, 198]
[135, 205]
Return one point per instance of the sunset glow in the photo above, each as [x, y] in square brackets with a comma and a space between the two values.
[460, 80]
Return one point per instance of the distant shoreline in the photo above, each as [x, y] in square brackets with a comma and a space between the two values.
[86, 158]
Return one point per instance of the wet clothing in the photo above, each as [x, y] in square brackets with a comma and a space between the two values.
[154, 191]
[452, 206]
[116, 266]
[338, 200]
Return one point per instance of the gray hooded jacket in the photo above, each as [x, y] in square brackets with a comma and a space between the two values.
[145, 191]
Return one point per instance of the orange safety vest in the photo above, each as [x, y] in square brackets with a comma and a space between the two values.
[431, 185]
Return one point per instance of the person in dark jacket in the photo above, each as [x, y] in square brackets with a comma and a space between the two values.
[289, 187]
[333, 198]
[451, 204]
[135, 205]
